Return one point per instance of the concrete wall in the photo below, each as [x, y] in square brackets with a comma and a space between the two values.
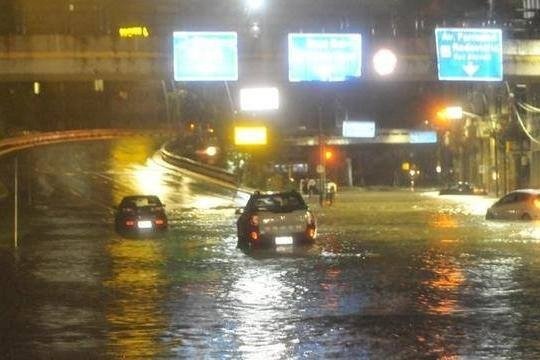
[67, 57]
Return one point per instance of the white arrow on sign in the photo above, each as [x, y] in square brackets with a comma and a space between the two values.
[471, 69]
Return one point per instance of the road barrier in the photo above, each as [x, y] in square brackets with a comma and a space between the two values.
[45, 138]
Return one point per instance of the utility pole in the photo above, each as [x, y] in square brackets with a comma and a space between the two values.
[490, 9]
[322, 161]
[16, 204]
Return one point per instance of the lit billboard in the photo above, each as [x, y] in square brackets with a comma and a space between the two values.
[250, 135]
[205, 56]
[423, 137]
[359, 129]
[325, 57]
[259, 99]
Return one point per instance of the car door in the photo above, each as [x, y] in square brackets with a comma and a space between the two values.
[506, 207]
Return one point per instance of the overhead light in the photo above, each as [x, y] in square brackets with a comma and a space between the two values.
[254, 4]
[37, 88]
[384, 62]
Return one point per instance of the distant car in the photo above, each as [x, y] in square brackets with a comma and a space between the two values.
[279, 218]
[139, 214]
[461, 188]
[516, 205]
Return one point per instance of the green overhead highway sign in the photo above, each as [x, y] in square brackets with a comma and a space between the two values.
[469, 54]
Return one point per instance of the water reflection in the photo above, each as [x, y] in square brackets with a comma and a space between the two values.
[265, 305]
[136, 284]
[443, 285]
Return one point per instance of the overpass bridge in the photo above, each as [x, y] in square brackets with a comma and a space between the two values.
[110, 58]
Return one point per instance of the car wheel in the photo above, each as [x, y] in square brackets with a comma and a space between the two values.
[526, 217]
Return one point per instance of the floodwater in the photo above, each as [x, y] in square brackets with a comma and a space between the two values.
[394, 274]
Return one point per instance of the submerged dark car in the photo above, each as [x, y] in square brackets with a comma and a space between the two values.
[140, 214]
[278, 218]
[461, 188]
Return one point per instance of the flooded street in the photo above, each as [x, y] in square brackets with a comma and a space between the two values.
[393, 274]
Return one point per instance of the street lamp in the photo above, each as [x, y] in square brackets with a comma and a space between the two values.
[451, 113]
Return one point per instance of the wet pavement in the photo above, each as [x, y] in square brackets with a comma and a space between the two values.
[394, 274]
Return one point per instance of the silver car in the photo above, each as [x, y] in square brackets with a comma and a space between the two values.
[279, 218]
[516, 205]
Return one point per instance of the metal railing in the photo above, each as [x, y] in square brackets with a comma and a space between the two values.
[38, 139]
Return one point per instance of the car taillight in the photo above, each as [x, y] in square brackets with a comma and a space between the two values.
[254, 220]
[311, 227]
[130, 223]
[160, 222]
[311, 232]
[254, 227]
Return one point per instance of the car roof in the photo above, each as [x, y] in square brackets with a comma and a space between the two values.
[527, 191]
[273, 193]
[135, 197]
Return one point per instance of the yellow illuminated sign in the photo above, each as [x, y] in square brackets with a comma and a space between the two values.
[405, 166]
[253, 135]
[135, 31]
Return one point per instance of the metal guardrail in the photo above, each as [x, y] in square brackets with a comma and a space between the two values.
[197, 167]
[38, 139]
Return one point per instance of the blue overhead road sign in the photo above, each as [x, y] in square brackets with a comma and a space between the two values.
[325, 57]
[205, 56]
[469, 54]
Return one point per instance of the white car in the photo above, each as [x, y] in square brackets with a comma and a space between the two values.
[516, 205]
[270, 219]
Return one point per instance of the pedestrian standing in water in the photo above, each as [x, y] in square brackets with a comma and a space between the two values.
[331, 190]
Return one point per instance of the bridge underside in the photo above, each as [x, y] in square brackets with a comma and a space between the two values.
[70, 58]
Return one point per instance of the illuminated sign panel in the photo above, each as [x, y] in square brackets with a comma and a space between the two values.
[359, 129]
[469, 54]
[259, 99]
[252, 135]
[423, 137]
[135, 31]
[205, 56]
[325, 57]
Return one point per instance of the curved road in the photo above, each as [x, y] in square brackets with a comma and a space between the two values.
[393, 275]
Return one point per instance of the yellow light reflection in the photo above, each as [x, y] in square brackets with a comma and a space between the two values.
[444, 221]
[144, 176]
[149, 180]
[134, 315]
[444, 286]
